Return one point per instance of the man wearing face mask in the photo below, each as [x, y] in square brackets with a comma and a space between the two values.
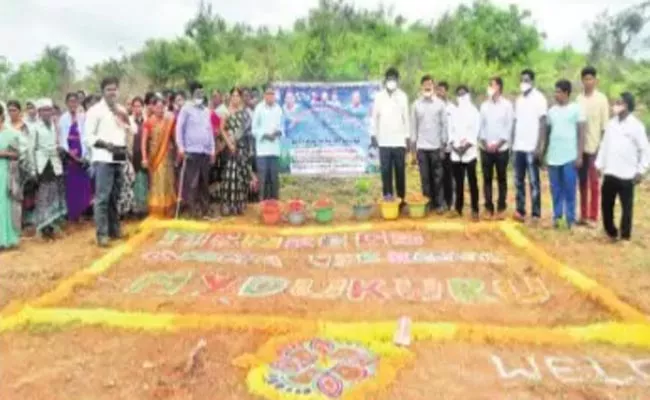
[463, 137]
[497, 119]
[389, 129]
[106, 129]
[530, 127]
[442, 91]
[196, 151]
[429, 140]
[623, 159]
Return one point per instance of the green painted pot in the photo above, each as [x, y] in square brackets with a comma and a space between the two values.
[418, 211]
[324, 215]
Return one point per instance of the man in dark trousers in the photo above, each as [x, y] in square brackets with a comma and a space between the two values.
[429, 142]
[390, 132]
[623, 159]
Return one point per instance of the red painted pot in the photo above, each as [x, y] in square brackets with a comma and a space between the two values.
[270, 212]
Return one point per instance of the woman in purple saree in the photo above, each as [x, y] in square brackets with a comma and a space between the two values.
[78, 187]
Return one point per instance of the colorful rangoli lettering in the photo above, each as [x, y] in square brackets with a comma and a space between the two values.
[299, 242]
[371, 239]
[225, 241]
[406, 238]
[262, 242]
[333, 241]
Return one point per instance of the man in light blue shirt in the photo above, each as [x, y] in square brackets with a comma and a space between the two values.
[197, 149]
[268, 126]
[564, 149]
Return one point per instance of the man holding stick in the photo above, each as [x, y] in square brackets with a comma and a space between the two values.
[197, 152]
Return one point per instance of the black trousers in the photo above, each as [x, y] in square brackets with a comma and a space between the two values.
[623, 189]
[393, 162]
[461, 169]
[490, 162]
[431, 171]
[196, 184]
[448, 180]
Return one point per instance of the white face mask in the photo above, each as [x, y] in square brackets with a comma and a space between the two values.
[427, 94]
[198, 101]
[491, 91]
[617, 109]
[464, 99]
[391, 85]
[525, 86]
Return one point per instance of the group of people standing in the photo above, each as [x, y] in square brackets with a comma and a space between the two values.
[576, 141]
[160, 155]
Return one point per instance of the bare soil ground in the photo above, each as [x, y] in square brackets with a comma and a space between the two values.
[88, 363]
[98, 364]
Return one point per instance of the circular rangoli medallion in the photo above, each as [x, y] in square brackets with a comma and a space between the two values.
[321, 366]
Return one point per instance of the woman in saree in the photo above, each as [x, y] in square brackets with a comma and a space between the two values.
[238, 176]
[158, 157]
[141, 184]
[10, 189]
[179, 100]
[50, 197]
[78, 186]
[27, 179]
[126, 201]
[148, 99]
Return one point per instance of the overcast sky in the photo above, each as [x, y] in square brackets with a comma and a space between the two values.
[94, 30]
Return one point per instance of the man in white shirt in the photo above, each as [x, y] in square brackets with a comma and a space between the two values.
[530, 126]
[267, 129]
[106, 129]
[442, 90]
[623, 159]
[389, 130]
[497, 118]
[464, 127]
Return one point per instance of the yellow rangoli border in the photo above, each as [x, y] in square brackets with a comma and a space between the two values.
[38, 311]
[611, 333]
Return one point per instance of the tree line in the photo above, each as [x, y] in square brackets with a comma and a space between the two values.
[337, 41]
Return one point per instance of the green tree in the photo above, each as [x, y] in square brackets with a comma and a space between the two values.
[505, 36]
[613, 35]
[171, 62]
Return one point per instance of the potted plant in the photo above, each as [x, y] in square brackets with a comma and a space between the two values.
[363, 204]
[324, 210]
[270, 212]
[389, 207]
[417, 205]
[296, 212]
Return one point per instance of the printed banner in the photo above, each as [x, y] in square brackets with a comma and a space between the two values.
[327, 128]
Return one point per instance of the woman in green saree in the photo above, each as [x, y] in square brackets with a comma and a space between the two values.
[10, 188]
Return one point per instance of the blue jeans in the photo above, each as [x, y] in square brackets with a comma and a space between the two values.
[564, 182]
[525, 163]
[108, 183]
[268, 173]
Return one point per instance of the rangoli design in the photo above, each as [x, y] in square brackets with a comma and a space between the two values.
[321, 366]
